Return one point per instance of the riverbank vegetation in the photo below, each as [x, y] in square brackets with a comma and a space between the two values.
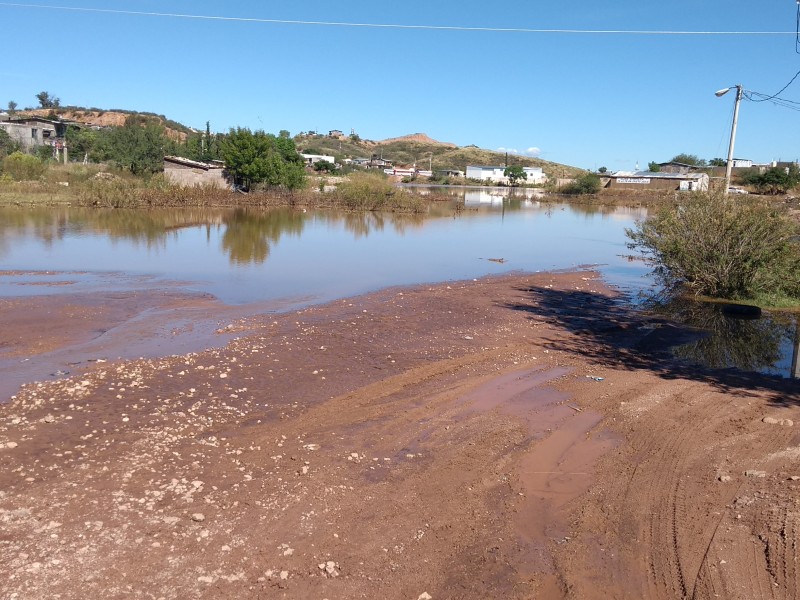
[733, 248]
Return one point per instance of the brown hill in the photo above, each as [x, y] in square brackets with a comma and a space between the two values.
[417, 138]
[109, 118]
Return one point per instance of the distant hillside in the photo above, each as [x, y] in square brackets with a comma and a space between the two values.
[417, 148]
[420, 149]
[110, 118]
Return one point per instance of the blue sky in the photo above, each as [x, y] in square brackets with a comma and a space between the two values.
[584, 99]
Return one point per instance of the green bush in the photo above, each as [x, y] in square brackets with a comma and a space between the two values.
[373, 191]
[724, 247]
[588, 183]
[23, 167]
[773, 181]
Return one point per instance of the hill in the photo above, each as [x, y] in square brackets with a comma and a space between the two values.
[110, 118]
[417, 148]
[424, 151]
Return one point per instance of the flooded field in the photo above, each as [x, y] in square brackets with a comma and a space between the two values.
[244, 256]
[283, 259]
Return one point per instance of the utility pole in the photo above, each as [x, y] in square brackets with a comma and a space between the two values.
[739, 94]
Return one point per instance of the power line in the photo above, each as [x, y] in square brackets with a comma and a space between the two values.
[393, 25]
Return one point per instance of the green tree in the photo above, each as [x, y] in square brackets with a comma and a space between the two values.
[48, 101]
[324, 165]
[261, 158]
[514, 174]
[689, 159]
[138, 146]
[718, 162]
[776, 180]
[7, 144]
[602, 170]
[12, 107]
[653, 167]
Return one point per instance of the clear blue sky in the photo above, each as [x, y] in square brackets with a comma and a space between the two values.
[584, 99]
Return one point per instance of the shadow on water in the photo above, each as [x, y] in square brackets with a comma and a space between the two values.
[675, 341]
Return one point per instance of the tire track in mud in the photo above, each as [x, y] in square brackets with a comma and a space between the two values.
[669, 514]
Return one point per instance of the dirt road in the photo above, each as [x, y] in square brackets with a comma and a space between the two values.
[515, 437]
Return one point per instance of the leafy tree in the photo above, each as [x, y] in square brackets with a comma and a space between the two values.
[84, 142]
[324, 165]
[12, 107]
[689, 159]
[261, 158]
[137, 147]
[48, 101]
[354, 137]
[776, 180]
[7, 144]
[514, 174]
[602, 170]
[653, 167]
[718, 162]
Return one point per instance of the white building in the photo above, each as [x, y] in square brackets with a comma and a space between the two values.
[496, 174]
[312, 159]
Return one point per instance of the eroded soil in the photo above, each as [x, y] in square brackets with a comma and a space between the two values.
[513, 437]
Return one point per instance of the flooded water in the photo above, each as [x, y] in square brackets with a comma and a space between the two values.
[769, 344]
[295, 258]
[288, 259]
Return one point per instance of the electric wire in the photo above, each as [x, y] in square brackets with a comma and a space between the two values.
[392, 25]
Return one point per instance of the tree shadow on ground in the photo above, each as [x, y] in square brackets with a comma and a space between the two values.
[608, 331]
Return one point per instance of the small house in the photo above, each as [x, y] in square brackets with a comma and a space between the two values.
[190, 173]
[686, 182]
[312, 159]
[494, 174]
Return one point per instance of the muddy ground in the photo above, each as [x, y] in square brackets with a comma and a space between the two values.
[524, 436]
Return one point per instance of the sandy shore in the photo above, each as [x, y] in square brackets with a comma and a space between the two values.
[514, 437]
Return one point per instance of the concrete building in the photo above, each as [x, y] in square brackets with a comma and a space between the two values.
[686, 182]
[311, 159]
[191, 173]
[496, 174]
[33, 132]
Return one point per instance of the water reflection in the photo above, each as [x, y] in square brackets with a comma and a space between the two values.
[247, 237]
[769, 344]
[248, 234]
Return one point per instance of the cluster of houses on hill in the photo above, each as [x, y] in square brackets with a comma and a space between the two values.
[33, 132]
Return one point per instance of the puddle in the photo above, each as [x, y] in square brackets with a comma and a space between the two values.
[558, 466]
[769, 344]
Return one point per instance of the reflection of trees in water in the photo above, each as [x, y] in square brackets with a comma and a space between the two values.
[361, 224]
[149, 226]
[248, 234]
[747, 344]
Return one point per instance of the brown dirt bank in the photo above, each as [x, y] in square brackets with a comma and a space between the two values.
[514, 437]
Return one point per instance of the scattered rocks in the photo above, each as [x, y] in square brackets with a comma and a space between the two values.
[49, 419]
[724, 478]
[329, 568]
[198, 517]
[781, 422]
